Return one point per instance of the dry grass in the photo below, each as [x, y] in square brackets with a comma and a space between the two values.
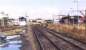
[12, 32]
[77, 32]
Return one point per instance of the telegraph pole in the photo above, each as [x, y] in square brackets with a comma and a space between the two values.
[26, 21]
[76, 4]
[85, 21]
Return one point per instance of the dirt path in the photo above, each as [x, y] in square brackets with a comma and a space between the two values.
[29, 42]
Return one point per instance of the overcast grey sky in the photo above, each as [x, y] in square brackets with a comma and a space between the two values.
[39, 8]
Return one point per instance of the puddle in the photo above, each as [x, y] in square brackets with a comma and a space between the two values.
[12, 43]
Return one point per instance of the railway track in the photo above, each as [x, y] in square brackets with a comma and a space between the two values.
[44, 43]
[50, 40]
[75, 42]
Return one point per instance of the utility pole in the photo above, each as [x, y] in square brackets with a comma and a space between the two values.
[85, 21]
[26, 22]
[76, 5]
[53, 18]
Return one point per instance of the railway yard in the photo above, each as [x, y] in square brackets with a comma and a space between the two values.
[43, 25]
[47, 37]
[42, 38]
[44, 35]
